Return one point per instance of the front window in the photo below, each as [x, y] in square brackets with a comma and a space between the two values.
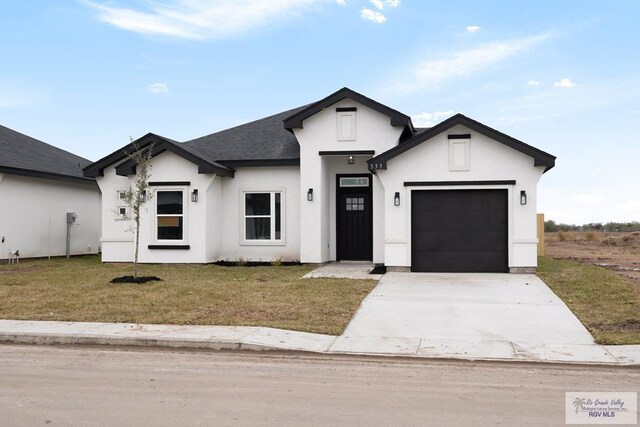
[263, 216]
[170, 215]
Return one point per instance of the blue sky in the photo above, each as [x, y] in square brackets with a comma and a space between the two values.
[562, 76]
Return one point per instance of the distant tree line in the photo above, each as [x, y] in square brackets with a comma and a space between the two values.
[552, 226]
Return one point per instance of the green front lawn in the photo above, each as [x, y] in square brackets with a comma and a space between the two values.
[606, 303]
[275, 296]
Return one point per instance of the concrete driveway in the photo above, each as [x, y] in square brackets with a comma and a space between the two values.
[499, 316]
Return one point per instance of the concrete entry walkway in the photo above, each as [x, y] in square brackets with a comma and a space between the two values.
[500, 316]
[345, 270]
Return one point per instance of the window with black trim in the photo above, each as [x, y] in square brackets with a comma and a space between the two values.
[169, 215]
[263, 216]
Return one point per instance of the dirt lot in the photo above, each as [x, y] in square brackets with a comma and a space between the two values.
[618, 252]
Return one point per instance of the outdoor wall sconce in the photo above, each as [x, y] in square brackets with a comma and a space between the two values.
[351, 160]
[523, 197]
[396, 199]
[310, 195]
[194, 196]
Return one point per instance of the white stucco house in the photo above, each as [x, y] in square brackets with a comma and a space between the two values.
[39, 185]
[344, 178]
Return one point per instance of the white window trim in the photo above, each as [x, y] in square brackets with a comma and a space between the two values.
[185, 216]
[339, 116]
[467, 156]
[243, 219]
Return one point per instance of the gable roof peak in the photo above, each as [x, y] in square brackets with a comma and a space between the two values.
[397, 118]
[540, 157]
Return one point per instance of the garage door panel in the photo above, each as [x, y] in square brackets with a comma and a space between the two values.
[458, 240]
[460, 262]
[445, 200]
[460, 220]
[459, 230]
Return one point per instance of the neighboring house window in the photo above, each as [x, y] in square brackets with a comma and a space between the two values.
[263, 216]
[170, 214]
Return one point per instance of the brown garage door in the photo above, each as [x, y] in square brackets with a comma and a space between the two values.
[459, 230]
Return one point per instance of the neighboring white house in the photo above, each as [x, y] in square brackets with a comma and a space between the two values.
[345, 178]
[39, 185]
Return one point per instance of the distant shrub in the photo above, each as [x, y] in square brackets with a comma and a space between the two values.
[591, 235]
[562, 235]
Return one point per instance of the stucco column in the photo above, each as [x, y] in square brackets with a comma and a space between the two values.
[312, 220]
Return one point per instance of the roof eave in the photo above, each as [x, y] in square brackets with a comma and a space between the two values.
[204, 166]
[295, 121]
[46, 175]
[540, 157]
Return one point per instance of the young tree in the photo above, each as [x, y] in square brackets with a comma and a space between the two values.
[138, 194]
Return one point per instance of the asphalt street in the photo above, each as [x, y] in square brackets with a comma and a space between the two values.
[46, 385]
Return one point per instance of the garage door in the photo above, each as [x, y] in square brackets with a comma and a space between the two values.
[459, 230]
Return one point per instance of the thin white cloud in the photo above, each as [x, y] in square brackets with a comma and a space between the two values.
[533, 83]
[392, 3]
[199, 19]
[586, 198]
[432, 73]
[158, 88]
[564, 83]
[378, 4]
[430, 119]
[373, 16]
[472, 28]
[341, 2]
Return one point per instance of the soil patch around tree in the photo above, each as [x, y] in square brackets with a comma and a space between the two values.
[139, 279]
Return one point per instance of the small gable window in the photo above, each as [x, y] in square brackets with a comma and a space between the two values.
[459, 156]
[346, 125]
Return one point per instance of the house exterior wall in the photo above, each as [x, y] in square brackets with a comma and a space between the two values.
[320, 133]
[489, 161]
[261, 179]
[33, 216]
[213, 226]
[118, 240]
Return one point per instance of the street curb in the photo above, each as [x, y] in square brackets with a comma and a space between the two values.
[233, 345]
[102, 340]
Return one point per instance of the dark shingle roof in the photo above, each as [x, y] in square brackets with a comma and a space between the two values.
[264, 139]
[23, 155]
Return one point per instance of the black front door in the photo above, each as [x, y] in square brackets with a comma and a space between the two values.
[354, 219]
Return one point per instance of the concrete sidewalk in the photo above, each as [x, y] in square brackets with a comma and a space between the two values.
[258, 338]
